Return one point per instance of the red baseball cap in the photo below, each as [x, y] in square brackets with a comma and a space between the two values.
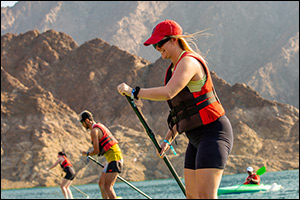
[165, 28]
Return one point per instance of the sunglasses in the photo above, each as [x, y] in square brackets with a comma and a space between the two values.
[161, 43]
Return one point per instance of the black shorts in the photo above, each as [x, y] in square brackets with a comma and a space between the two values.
[113, 166]
[70, 173]
[209, 145]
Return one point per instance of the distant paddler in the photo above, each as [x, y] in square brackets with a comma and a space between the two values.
[104, 143]
[70, 174]
[253, 178]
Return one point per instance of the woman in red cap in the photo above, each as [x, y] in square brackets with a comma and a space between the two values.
[194, 109]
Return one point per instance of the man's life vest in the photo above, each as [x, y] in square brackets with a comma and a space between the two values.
[254, 176]
[65, 163]
[190, 110]
[107, 141]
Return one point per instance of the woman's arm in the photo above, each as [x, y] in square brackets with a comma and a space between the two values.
[59, 160]
[169, 137]
[186, 70]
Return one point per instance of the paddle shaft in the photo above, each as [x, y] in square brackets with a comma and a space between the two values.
[71, 184]
[122, 179]
[152, 137]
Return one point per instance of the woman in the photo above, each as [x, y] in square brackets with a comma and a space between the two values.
[195, 110]
[104, 143]
[70, 174]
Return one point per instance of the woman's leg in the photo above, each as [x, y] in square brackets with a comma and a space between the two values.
[205, 164]
[190, 172]
[63, 188]
[208, 182]
[190, 183]
[69, 192]
[202, 183]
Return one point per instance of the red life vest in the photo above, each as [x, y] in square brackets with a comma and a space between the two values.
[107, 141]
[65, 163]
[254, 176]
[190, 110]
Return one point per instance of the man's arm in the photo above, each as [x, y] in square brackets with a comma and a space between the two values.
[95, 135]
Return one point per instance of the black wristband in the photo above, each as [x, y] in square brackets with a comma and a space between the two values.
[136, 92]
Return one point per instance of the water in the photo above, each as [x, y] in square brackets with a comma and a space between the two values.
[167, 189]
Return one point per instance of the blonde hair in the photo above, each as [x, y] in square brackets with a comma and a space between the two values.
[184, 40]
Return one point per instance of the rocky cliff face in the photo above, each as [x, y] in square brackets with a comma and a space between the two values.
[47, 80]
[251, 42]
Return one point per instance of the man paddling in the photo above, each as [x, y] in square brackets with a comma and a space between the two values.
[104, 143]
[253, 178]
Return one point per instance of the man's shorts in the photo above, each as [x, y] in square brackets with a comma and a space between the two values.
[113, 166]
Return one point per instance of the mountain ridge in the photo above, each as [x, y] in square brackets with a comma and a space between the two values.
[248, 38]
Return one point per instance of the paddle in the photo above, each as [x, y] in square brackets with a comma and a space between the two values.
[87, 196]
[122, 179]
[261, 171]
[152, 137]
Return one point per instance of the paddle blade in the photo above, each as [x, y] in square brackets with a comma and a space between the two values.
[261, 171]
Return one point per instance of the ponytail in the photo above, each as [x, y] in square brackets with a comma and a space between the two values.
[62, 153]
[184, 40]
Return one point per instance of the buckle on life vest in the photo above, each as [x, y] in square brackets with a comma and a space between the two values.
[172, 112]
[173, 116]
[174, 119]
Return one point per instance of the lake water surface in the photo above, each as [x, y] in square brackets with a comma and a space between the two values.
[167, 189]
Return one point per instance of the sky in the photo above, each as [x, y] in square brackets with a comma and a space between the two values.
[8, 3]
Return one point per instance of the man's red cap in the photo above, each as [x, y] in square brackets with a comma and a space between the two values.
[165, 28]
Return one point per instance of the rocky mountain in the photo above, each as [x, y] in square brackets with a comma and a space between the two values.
[47, 80]
[251, 42]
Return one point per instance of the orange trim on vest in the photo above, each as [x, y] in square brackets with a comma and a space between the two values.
[107, 141]
[66, 162]
[186, 105]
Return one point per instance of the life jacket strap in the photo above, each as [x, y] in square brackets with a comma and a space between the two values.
[189, 112]
[104, 142]
[192, 102]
